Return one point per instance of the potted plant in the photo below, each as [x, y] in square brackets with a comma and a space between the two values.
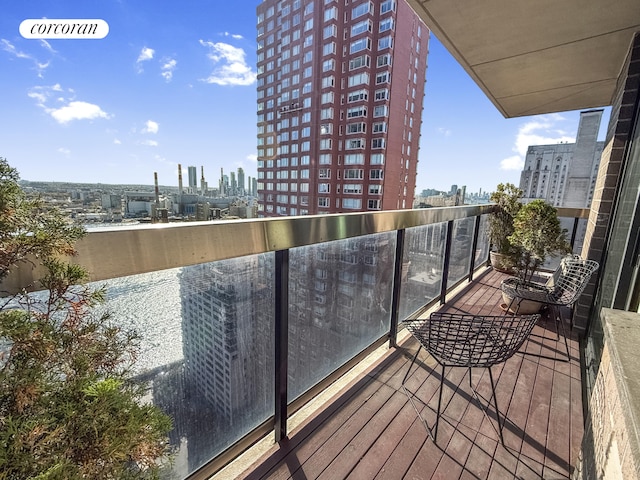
[537, 233]
[503, 254]
[68, 407]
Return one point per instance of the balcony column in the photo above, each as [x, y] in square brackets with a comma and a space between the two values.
[397, 283]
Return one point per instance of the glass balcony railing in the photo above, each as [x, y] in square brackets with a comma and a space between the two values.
[244, 321]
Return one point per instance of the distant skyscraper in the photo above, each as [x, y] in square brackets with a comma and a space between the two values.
[340, 91]
[241, 190]
[193, 180]
[564, 174]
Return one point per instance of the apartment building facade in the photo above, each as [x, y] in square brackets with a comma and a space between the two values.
[340, 92]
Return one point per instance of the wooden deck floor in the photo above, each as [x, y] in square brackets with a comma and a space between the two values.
[371, 431]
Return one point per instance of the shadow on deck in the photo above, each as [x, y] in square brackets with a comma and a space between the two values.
[371, 431]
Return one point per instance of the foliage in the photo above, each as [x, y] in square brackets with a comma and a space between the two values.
[537, 233]
[67, 407]
[507, 196]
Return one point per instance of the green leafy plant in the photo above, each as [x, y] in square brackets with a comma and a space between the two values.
[68, 409]
[537, 233]
[507, 196]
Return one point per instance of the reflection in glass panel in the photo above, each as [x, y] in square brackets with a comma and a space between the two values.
[421, 267]
[339, 304]
[207, 349]
[482, 247]
[460, 250]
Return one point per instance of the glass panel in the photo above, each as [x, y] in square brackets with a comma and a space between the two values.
[482, 247]
[421, 267]
[207, 349]
[339, 304]
[460, 250]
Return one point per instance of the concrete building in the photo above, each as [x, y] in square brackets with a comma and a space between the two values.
[193, 180]
[340, 92]
[564, 174]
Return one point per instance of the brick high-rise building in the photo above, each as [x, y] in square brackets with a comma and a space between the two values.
[340, 92]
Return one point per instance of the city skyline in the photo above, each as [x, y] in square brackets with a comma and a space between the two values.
[173, 87]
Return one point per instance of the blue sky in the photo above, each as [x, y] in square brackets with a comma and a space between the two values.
[175, 83]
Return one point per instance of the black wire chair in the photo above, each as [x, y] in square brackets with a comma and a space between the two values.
[464, 340]
[562, 290]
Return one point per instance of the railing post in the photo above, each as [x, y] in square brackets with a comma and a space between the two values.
[445, 263]
[397, 282]
[574, 232]
[474, 245]
[281, 345]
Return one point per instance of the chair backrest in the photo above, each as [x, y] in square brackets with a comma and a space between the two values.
[472, 340]
[573, 276]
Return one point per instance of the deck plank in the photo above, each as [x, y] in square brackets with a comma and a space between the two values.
[371, 430]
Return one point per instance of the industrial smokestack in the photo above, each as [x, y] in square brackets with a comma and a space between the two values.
[155, 182]
[179, 179]
[202, 181]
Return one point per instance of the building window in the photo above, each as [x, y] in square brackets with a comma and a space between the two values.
[384, 42]
[359, 45]
[353, 159]
[324, 173]
[377, 143]
[383, 60]
[353, 204]
[352, 189]
[361, 61]
[379, 127]
[357, 95]
[323, 202]
[328, 81]
[326, 113]
[329, 31]
[375, 189]
[327, 97]
[374, 204]
[330, 14]
[356, 128]
[382, 94]
[353, 173]
[354, 143]
[359, 79]
[324, 188]
[326, 129]
[354, 112]
[325, 159]
[329, 48]
[380, 111]
[382, 77]
[360, 27]
[329, 65]
[325, 144]
[362, 9]
[387, 6]
[386, 24]
[376, 174]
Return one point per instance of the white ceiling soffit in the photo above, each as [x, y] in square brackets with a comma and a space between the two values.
[533, 57]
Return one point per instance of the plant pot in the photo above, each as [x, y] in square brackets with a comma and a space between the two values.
[501, 262]
[520, 305]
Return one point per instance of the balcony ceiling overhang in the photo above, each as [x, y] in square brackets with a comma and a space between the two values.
[534, 57]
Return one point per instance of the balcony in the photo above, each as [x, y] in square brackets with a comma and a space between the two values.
[247, 322]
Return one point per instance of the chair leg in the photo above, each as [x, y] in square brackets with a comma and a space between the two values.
[564, 331]
[435, 435]
[495, 401]
[406, 375]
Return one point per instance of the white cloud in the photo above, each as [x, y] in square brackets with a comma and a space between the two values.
[252, 158]
[145, 55]
[444, 131]
[64, 151]
[512, 163]
[542, 130]
[117, 141]
[229, 65]
[150, 127]
[168, 66]
[149, 143]
[77, 111]
[40, 67]
[236, 36]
